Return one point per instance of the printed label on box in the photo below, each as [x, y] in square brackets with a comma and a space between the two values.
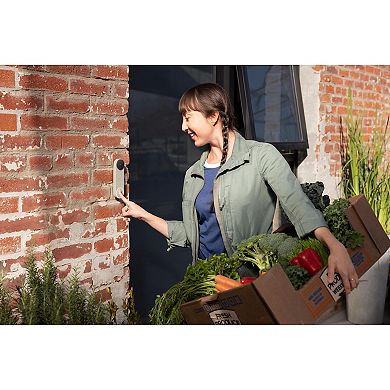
[335, 288]
[224, 317]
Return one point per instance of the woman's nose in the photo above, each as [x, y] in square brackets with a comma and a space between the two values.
[184, 125]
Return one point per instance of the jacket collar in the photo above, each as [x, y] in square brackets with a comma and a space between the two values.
[240, 154]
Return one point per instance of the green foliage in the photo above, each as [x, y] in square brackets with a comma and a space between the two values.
[128, 308]
[314, 192]
[338, 223]
[6, 315]
[364, 167]
[298, 276]
[198, 281]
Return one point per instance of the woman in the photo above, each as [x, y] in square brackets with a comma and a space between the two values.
[230, 193]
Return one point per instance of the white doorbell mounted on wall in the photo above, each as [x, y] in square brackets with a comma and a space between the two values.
[120, 179]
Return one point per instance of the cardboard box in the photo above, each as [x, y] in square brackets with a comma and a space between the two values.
[271, 299]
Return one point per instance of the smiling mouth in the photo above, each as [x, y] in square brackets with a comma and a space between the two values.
[191, 134]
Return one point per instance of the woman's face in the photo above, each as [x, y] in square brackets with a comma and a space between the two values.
[198, 127]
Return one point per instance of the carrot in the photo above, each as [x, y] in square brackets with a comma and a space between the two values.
[224, 282]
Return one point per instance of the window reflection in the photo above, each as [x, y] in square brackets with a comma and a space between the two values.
[273, 104]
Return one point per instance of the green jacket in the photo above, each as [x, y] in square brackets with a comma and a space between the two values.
[246, 189]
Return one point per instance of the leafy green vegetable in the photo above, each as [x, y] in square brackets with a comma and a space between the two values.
[298, 276]
[314, 192]
[198, 281]
[338, 223]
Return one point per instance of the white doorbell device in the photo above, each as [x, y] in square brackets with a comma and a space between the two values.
[118, 177]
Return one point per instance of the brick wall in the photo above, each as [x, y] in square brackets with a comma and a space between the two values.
[370, 86]
[60, 129]
[325, 96]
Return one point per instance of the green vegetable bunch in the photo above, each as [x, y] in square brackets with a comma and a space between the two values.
[338, 223]
[198, 281]
[314, 191]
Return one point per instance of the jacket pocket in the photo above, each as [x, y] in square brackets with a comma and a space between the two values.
[188, 218]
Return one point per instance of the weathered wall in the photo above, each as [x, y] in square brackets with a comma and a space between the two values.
[325, 100]
[60, 129]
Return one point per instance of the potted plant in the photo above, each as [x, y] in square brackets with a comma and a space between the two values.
[366, 171]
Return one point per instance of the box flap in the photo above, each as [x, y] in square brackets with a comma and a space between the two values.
[282, 299]
[370, 222]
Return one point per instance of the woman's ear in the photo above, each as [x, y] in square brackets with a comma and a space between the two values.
[213, 118]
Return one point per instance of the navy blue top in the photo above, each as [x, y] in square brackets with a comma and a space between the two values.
[210, 239]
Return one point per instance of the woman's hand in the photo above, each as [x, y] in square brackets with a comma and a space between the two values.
[131, 209]
[339, 259]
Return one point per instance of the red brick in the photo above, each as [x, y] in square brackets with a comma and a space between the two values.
[7, 78]
[123, 258]
[80, 70]
[63, 161]
[328, 148]
[70, 216]
[40, 163]
[342, 110]
[120, 124]
[85, 160]
[64, 270]
[20, 184]
[35, 122]
[122, 155]
[325, 98]
[67, 104]
[37, 68]
[102, 176]
[89, 87]
[110, 107]
[122, 224]
[9, 205]
[99, 228]
[72, 251]
[329, 89]
[36, 222]
[45, 238]
[110, 72]
[121, 90]
[87, 267]
[103, 265]
[103, 159]
[12, 163]
[90, 195]
[67, 180]
[104, 245]
[19, 142]
[104, 295]
[8, 122]
[10, 245]
[43, 201]
[108, 211]
[69, 141]
[343, 73]
[122, 241]
[337, 80]
[372, 69]
[43, 82]
[89, 124]
[20, 101]
[109, 141]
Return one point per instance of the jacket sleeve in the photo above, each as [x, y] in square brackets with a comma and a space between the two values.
[176, 235]
[298, 207]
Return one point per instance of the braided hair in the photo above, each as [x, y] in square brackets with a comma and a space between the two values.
[210, 98]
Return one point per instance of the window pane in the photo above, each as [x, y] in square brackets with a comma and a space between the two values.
[273, 103]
